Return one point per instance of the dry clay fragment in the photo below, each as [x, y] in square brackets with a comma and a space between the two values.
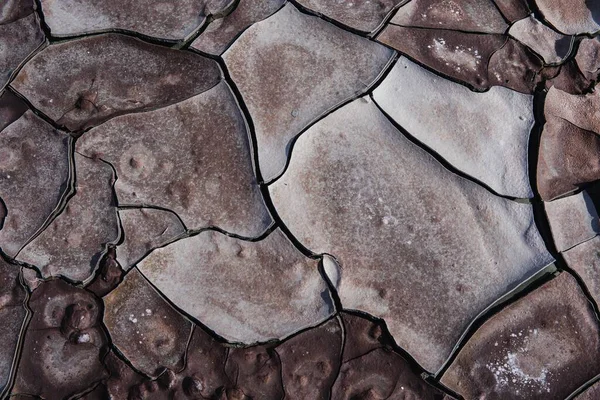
[381, 374]
[244, 291]
[420, 247]
[580, 110]
[18, 39]
[255, 373]
[569, 79]
[144, 327]
[223, 31]
[12, 10]
[291, 69]
[588, 58]
[108, 275]
[571, 17]
[34, 173]
[484, 135]
[192, 158]
[573, 220]
[71, 246]
[364, 16]
[478, 59]
[12, 314]
[64, 344]
[550, 45]
[311, 360]
[585, 261]
[361, 336]
[145, 229]
[513, 10]
[467, 15]
[155, 18]
[84, 82]
[568, 158]
[543, 346]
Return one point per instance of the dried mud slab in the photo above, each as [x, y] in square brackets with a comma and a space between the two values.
[192, 158]
[217, 37]
[311, 360]
[580, 110]
[480, 16]
[588, 58]
[108, 275]
[571, 17]
[73, 243]
[292, 68]
[83, 82]
[543, 346]
[144, 327]
[585, 261]
[244, 291]
[552, 46]
[361, 336]
[365, 16]
[403, 227]
[64, 343]
[591, 393]
[572, 219]
[568, 158]
[20, 35]
[381, 374]
[477, 59]
[255, 373]
[155, 18]
[12, 10]
[12, 315]
[513, 10]
[484, 135]
[145, 229]
[34, 165]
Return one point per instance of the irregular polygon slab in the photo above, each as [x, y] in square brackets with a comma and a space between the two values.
[552, 46]
[84, 82]
[585, 261]
[569, 78]
[420, 247]
[484, 135]
[568, 158]
[364, 16]
[11, 109]
[244, 291]
[144, 327]
[34, 165]
[467, 57]
[192, 158]
[12, 10]
[223, 31]
[580, 110]
[572, 219]
[571, 17]
[255, 373]
[64, 344]
[381, 374]
[145, 229]
[18, 39]
[73, 243]
[311, 360]
[361, 336]
[108, 275]
[513, 10]
[12, 314]
[543, 346]
[588, 58]
[468, 15]
[155, 18]
[292, 68]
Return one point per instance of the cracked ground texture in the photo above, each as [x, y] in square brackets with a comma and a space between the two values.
[299, 199]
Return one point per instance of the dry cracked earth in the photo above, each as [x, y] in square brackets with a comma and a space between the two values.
[303, 199]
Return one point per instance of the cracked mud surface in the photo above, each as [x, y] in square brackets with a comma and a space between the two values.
[299, 199]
